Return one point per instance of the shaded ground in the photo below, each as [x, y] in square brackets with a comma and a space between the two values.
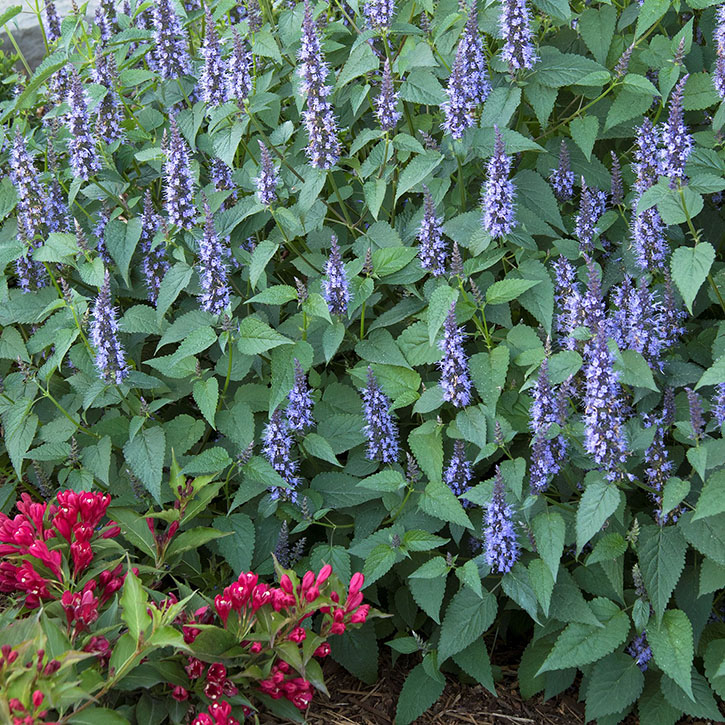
[354, 703]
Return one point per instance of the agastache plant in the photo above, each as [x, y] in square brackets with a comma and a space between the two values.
[323, 148]
[616, 193]
[718, 404]
[586, 220]
[518, 49]
[213, 273]
[498, 194]
[431, 245]
[213, 84]
[459, 471]
[154, 264]
[110, 355]
[457, 108]
[299, 410]
[455, 376]
[57, 216]
[379, 13]
[221, 177]
[501, 543]
[380, 429]
[170, 55]
[268, 178]
[386, 104]
[84, 158]
[108, 113]
[239, 78]
[568, 302]
[51, 14]
[32, 200]
[178, 181]
[336, 285]
[718, 76]
[476, 84]
[562, 177]
[676, 139]
[278, 451]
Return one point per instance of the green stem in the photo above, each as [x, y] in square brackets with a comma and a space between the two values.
[362, 321]
[331, 177]
[230, 347]
[18, 51]
[79, 426]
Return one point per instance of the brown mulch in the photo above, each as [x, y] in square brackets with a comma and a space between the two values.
[354, 703]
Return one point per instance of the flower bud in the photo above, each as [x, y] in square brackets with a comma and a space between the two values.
[356, 583]
[324, 575]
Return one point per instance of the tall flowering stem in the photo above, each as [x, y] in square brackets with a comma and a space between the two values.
[214, 90]
[299, 410]
[459, 472]
[718, 76]
[336, 286]
[431, 245]
[278, 451]
[268, 178]
[110, 355]
[518, 50]
[380, 429]
[108, 113]
[154, 264]
[239, 78]
[84, 158]
[562, 177]
[676, 139]
[586, 220]
[455, 376]
[568, 301]
[323, 148]
[51, 15]
[213, 273]
[170, 54]
[502, 547]
[457, 108]
[178, 181]
[498, 192]
[32, 200]
[475, 69]
[386, 104]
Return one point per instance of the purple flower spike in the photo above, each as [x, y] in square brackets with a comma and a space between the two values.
[718, 404]
[99, 231]
[616, 195]
[696, 419]
[640, 651]
[476, 85]
[213, 78]
[502, 546]
[32, 201]
[498, 192]
[155, 264]
[110, 356]
[431, 245]
[569, 302]
[221, 177]
[718, 76]
[31, 275]
[386, 104]
[676, 139]
[379, 13]
[213, 268]
[562, 177]
[457, 108]
[455, 377]
[299, 410]
[278, 451]
[240, 62]
[337, 288]
[658, 469]
[323, 149]
[604, 434]
[268, 178]
[83, 155]
[586, 220]
[518, 49]
[170, 55]
[459, 472]
[51, 14]
[380, 429]
[108, 113]
[178, 181]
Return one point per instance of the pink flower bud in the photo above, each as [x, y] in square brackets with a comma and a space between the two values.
[297, 635]
[360, 615]
[223, 607]
[356, 583]
[307, 580]
[256, 648]
[312, 594]
[37, 699]
[324, 575]
[286, 583]
[323, 650]
[180, 693]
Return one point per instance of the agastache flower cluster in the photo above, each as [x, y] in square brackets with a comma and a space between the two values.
[518, 49]
[299, 410]
[562, 177]
[586, 220]
[108, 113]
[32, 200]
[221, 177]
[568, 301]
[278, 451]
[154, 264]
[53, 29]
[268, 178]
[110, 355]
[476, 84]
[336, 286]
[501, 543]
[84, 158]
[459, 472]
[379, 13]
[380, 429]
[457, 108]
[170, 55]
[676, 139]
[455, 376]
[498, 192]
[239, 78]
[178, 181]
[323, 148]
[640, 650]
[213, 274]
[386, 104]
[718, 76]
[431, 245]
[213, 81]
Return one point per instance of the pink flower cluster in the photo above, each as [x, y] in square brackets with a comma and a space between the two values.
[29, 712]
[219, 713]
[75, 517]
[297, 690]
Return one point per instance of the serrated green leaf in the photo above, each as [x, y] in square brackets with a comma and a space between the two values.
[206, 396]
[661, 553]
[672, 647]
[715, 666]
[474, 661]
[428, 591]
[615, 683]
[714, 375]
[584, 131]
[427, 446]
[706, 535]
[378, 563]
[238, 548]
[256, 337]
[507, 290]
[467, 617]
[134, 602]
[145, 455]
[598, 502]
[549, 532]
[597, 30]
[419, 692]
[418, 169]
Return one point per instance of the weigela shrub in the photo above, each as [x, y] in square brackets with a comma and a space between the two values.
[428, 290]
[84, 629]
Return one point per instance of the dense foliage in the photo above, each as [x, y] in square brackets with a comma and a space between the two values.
[432, 291]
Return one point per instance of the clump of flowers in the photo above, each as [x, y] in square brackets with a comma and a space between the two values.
[380, 428]
[498, 192]
[455, 377]
[501, 543]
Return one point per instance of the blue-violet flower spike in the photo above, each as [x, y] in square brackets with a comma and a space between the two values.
[110, 356]
[278, 451]
[299, 410]
[380, 429]
[268, 178]
[431, 245]
[178, 181]
[337, 288]
[84, 158]
[502, 546]
[498, 192]
[455, 377]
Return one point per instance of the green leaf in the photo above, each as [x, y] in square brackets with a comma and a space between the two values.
[558, 9]
[331, 339]
[535, 193]
[419, 692]
[701, 705]
[374, 191]
[97, 716]
[581, 644]
[507, 290]
[538, 300]
[474, 661]
[500, 107]
[360, 61]
[584, 131]
[712, 497]
[121, 239]
[712, 577]
[661, 553]
[20, 427]
[145, 455]
[275, 295]
[134, 602]
[549, 532]
[690, 267]
[715, 666]
[378, 563]
[488, 372]
[598, 502]
[441, 301]
[317, 446]
[261, 255]
[256, 337]
[597, 30]
[628, 104]
[650, 12]
[706, 535]
[654, 709]
[428, 585]
[196, 342]
[440, 502]
[467, 617]
[634, 370]
[389, 260]
[699, 93]
[714, 375]
[556, 69]
[673, 648]
[210, 460]
[10, 13]
[238, 548]
[615, 683]
[192, 539]
[418, 169]
[517, 586]
[427, 446]
[421, 86]
[206, 395]
[173, 282]
[471, 422]
[264, 43]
